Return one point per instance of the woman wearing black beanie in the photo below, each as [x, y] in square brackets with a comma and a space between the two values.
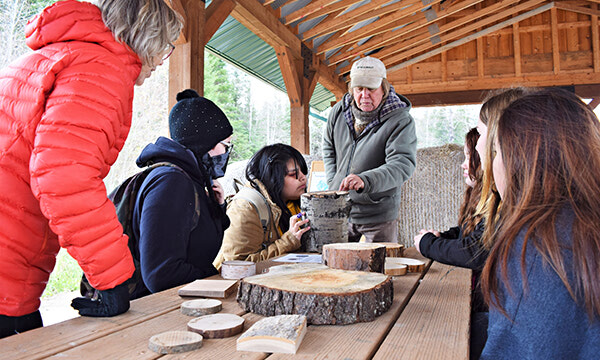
[179, 216]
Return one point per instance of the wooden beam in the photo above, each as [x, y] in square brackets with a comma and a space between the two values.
[424, 37]
[385, 23]
[595, 42]
[291, 78]
[186, 65]
[178, 7]
[480, 65]
[466, 39]
[444, 66]
[265, 25]
[594, 103]
[517, 48]
[362, 13]
[334, 9]
[577, 9]
[414, 22]
[306, 10]
[216, 13]
[555, 46]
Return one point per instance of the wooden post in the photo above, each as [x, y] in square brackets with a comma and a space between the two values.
[300, 81]
[186, 65]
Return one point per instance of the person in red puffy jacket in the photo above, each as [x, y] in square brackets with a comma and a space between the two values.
[65, 112]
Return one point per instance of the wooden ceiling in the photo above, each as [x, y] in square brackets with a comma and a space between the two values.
[436, 52]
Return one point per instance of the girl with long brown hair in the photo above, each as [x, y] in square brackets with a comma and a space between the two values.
[542, 277]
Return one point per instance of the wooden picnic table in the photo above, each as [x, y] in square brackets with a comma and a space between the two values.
[429, 319]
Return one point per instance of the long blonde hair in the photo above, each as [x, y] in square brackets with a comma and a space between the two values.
[550, 145]
[490, 112]
[146, 26]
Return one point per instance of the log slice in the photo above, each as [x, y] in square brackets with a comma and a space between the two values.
[324, 296]
[217, 326]
[355, 256]
[172, 342]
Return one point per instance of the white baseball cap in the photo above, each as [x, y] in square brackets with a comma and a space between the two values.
[367, 72]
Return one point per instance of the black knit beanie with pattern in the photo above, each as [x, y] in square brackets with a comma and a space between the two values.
[197, 123]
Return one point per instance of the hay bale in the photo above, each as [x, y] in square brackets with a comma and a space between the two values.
[431, 198]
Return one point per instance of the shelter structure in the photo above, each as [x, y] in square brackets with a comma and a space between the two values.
[437, 52]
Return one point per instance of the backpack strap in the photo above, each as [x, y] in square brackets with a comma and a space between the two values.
[260, 204]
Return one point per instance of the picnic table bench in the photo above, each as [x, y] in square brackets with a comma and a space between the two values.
[429, 319]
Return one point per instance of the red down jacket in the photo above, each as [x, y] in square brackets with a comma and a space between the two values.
[65, 112]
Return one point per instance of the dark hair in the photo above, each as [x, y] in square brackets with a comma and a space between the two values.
[468, 219]
[549, 144]
[269, 166]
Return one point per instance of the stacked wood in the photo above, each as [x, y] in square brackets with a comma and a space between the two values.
[172, 342]
[325, 296]
[201, 307]
[395, 268]
[355, 256]
[217, 326]
[413, 265]
[328, 214]
[393, 249]
[275, 334]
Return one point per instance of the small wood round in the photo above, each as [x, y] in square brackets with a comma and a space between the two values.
[172, 342]
[217, 326]
[414, 265]
[237, 269]
[393, 249]
[395, 268]
[355, 256]
[201, 307]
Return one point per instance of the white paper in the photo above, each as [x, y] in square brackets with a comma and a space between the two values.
[301, 258]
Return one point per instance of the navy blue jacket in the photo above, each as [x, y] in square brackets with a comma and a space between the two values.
[175, 247]
[543, 321]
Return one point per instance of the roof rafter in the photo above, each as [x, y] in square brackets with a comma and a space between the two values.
[417, 21]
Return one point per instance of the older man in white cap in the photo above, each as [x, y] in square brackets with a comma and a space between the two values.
[369, 148]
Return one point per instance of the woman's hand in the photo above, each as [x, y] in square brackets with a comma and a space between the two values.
[219, 192]
[417, 241]
[295, 225]
[434, 232]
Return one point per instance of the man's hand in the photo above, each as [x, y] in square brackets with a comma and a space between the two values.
[352, 182]
[111, 302]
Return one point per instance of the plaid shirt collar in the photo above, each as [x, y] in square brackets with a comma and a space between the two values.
[392, 103]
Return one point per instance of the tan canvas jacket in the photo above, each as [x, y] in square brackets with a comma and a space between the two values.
[245, 238]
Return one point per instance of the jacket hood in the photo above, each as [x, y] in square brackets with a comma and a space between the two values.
[71, 20]
[165, 149]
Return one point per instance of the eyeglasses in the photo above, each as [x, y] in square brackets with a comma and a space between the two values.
[228, 145]
[170, 52]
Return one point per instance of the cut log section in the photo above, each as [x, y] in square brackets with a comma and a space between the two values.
[237, 269]
[288, 267]
[275, 334]
[201, 307]
[217, 326]
[328, 214]
[325, 296]
[395, 268]
[414, 265]
[172, 342]
[393, 249]
[355, 256]
[208, 288]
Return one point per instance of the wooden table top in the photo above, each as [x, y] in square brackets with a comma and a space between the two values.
[429, 319]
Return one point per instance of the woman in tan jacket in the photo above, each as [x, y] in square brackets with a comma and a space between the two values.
[278, 173]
